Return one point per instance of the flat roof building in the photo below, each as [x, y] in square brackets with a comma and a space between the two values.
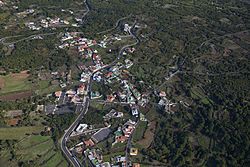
[101, 135]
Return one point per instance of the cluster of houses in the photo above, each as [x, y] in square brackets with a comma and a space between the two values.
[74, 96]
[49, 23]
[72, 39]
[167, 104]
[65, 99]
[96, 158]
[123, 133]
[129, 94]
[113, 114]
[83, 46]
[25, 13]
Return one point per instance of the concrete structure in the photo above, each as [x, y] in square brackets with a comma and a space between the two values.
[81, 128]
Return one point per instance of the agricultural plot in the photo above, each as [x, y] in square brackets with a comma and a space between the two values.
[148, 136]
[14, 83]
[139, 131]
[197, 93]
[37, 150]
[17, 133]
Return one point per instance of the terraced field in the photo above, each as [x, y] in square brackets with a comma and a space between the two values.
[37, 150]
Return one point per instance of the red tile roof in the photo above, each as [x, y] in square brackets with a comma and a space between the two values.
[89, 143]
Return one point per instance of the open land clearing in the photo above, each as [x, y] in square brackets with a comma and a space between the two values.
[15, 133]
[37, 149]
[15, 82]
[148, 136]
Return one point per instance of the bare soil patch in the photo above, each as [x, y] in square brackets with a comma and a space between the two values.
[21, 75]
[16, 96]
[148, 136]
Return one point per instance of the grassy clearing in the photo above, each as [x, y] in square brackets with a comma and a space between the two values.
[203, 140]
[32, 140]
[14, 83]
[139, 131]
[55, 160]
[33, 151]
[44, 87]
[109, 156]
[37, 149]
[15, 133]
[3, 16]
[148, 136]
[197, 93]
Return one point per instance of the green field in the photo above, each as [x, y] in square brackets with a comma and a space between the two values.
[16, 133]
[14, 83]
[44, 87]
[139, 131]
[197, 93]
[109, 156]
[36, 149]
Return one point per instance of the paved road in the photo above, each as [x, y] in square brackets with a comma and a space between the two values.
[116, 25]
[88, 9]
[2, 40]
[129, 145]
[72, 127]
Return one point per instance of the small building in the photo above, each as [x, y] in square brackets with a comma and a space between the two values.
[13, 122]
[110, 98]
[79, 149]
[121, 139]
[113, 114]
[162, 102]
[133, 151]
[58, 94]
[126, 27]
[136, 165]
[105, 164]
[89, 143]
[162, 94]
[81, 128]
[135, 111]
[119, 159]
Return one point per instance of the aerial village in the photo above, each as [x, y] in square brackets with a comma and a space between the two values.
[34, 21]
[118, 127]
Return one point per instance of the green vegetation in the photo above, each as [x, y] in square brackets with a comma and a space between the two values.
[139, 131]
[205, 41]
[196, 93]
[111, 155]
[15, 133]
[62, 3]
[14, 83]
[33, 150]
